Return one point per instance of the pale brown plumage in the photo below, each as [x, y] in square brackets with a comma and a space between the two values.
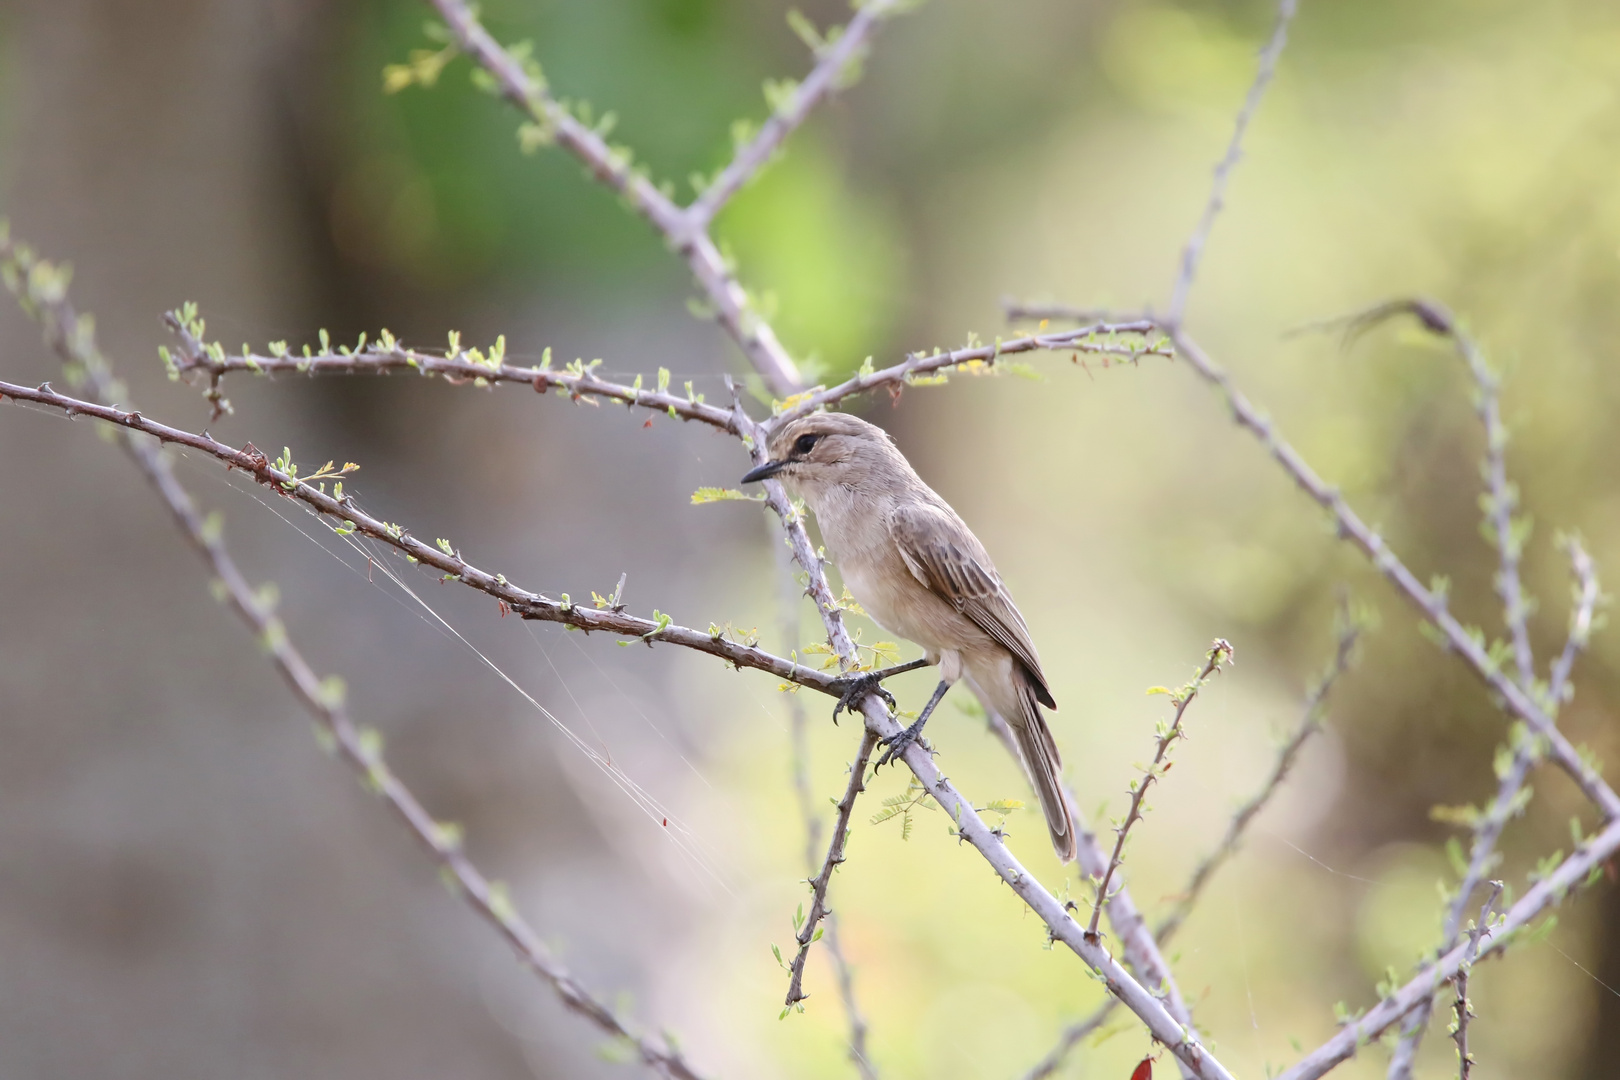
[919, 571]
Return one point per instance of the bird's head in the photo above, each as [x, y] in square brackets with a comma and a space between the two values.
[824, 450]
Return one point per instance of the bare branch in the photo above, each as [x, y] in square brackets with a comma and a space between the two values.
[918, 364]
[1193, 252]
[1464, 1012]
[798, 724]
[1578, 870]
[835, 857]
[1141, 952]
[1310, 722]
[358, 747]
[1070, 1038]
[835, 60]
[525, 89]
[1219, 653]
[462, 367]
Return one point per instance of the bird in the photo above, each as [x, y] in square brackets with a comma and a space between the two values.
[916, 568]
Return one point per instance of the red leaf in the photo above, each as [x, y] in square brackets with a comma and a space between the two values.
[648, 423]
[1143, 1071]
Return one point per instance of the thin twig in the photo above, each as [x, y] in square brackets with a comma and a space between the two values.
[358, 747]
[1464, 1011]
[1141, 953]
[834, 62]
[1071, 1037]
[1220, 653]
[835, 857]
[577, 382]
[1081, 340]
[1310, 722]
[1194, 250]
[799, 731]
[611, 166]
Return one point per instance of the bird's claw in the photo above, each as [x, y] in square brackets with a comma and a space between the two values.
[857, 687]
[898, 744]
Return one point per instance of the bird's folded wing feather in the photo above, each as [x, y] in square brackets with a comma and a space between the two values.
[948, 559]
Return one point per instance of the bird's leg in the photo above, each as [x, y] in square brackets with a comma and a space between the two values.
[899, 744]
[856, 687]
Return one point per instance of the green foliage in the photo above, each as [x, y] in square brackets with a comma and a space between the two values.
[901, 806]
[705, 495]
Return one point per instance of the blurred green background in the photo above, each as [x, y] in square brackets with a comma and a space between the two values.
[188, 888]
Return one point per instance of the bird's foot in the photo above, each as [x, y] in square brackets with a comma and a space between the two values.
[857, 687]
[900, 743]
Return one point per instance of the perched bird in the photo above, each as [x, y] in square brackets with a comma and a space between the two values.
[919, 571]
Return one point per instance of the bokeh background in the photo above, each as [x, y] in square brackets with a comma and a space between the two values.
[189, 888]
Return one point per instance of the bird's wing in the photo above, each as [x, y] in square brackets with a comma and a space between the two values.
[943, 554]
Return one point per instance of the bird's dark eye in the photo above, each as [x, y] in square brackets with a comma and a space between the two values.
[805, 443]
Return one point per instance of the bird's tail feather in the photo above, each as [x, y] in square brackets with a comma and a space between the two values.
[1045, 768]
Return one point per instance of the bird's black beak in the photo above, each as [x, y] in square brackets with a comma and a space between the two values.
[764, 472]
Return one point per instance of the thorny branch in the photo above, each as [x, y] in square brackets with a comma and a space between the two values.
[919, 364]
[836, 60]
[1464, 1011]
[1220, 653]
[835, 857]
[578, 382]
[1141, 953]
[73, 339]
[1310, 723]
[798, 724]
[1194, 250]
